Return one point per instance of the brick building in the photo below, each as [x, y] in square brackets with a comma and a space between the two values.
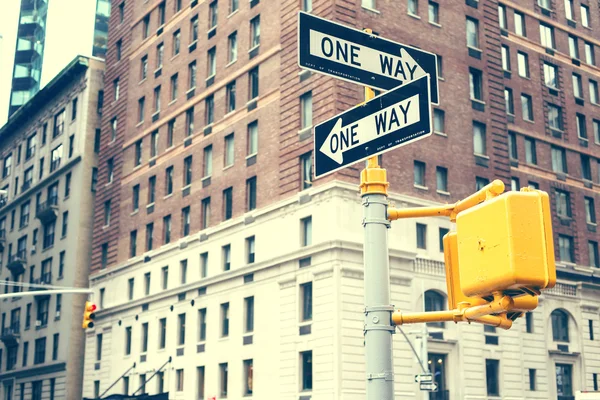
[206, 140]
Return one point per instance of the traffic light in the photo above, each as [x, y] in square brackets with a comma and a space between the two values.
[505, 245]
[89, 314]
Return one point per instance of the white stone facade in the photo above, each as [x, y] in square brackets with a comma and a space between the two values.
[334, 333]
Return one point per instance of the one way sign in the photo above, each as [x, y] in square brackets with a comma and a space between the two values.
[390, 120]
[353, 55]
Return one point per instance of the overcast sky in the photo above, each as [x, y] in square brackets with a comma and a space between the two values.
[69, 32]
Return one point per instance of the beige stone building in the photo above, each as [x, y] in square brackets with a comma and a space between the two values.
[48, 155]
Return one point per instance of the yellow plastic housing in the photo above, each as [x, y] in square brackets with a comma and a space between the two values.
[505, 244]
[455, 294]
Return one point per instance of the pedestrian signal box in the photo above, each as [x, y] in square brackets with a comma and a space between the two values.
[504, 244]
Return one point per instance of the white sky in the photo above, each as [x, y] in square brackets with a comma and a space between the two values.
[69, 32]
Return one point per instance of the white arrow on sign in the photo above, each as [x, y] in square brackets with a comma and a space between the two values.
[424, 378]
[428, 386]
[346, 137]
[402, 67]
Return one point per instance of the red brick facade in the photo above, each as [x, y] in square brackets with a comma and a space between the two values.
[277, 109]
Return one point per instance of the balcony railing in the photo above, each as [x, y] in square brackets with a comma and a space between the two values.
[47, 211]
[17, 261]
[10, 335]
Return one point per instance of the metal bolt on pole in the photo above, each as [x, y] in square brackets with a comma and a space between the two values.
[378, 327]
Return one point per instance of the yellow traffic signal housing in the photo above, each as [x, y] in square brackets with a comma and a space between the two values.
[89, 314]
[504, 245]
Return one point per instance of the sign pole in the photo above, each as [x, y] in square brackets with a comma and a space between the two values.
[378, 328]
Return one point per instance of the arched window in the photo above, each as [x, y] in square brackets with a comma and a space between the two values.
[434, 302]
[560, 326]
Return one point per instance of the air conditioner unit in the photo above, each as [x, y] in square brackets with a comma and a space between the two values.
[58, 314]
[33, 249]
[38, 323]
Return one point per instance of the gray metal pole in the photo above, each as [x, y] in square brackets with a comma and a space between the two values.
[378, 328]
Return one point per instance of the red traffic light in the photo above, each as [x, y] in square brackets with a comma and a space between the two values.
[89, 315]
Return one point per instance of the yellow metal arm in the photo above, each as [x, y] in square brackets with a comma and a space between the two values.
[449, 210]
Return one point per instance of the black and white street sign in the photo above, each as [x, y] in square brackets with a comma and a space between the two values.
[353, 55]
[424, 378]
[428, 386]
[390, 120]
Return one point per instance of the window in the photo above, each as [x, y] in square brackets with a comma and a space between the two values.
[577, 86]
[306, 231]
[596, 125]
[226, 257]
[149, 233]
[480, 182]
[529, 322]
[443, 232]
[104, 255]
[141, 103]
[144, 337]
[160, 382]
[502, 17]
[546, 36]
[551, 75]
[151, 189]
[413, 7]
[55, 158]
[213, 14]
[31, 144]
[248, 378]
[170, 130]
[590, 57]
[508, 101]
[189, 121]
[306, 370]
[121, 12]
[565, 246]
[25, 357]
[142, 385]
[593, 254]
[440, 65]
[130, 288]
[138, 153]
[253, 81]
[167, 229]
[479, 139]
[560, 326]
[179, 380]
[176, 42]
[230, 93]
[250, 249]
[563, 204]
[249, 314]
[581, 126]
[232, 46]
[573, 47]
[439, 123]
[472, 33]
[569, 9]
[162, 333]
[209, 110]
[229, 151]
[515, 185]
[194, 29]
[212, 62]
[419, 173]
[160, 51]
[227, 203]
[233, 6]
[421, 236]
[192, 75]
[585, 16]
[520, 28]
[593, 92]
[187, 171]
[530, 151]
[157, 98]
[590, 210]
[306, 170]
[174, 86]
[523, 64]
[7, 166]
[224, 319]
[116, 96]
[169, 181]
[475, 84]
[491, 375]
[512, 146]
[505, 58]
[434, 13]
[527, 107]
[205, 213]
[146, 27]
[255, 31]
[564, 381]
[183, 271]
[252, 138]
[40, 351]
[202, 325]
[223, 375]
[144, 68]
[59, 119]
[181, 329]
[49, 234]
[204, 265]
[441, 175]
[306, 110]
[555, 117]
